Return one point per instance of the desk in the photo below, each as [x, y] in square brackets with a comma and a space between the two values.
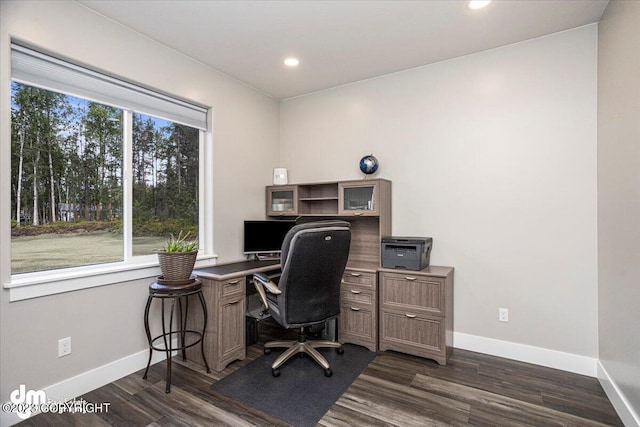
[238, 269]
[224, 290]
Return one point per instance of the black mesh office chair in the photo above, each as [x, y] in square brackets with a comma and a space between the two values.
[313, 259]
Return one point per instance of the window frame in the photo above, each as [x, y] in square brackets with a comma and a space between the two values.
[23, 286]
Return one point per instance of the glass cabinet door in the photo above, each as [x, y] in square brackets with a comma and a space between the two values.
[359, 198]
[282, 200]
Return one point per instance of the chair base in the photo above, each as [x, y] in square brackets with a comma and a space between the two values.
[302, 346]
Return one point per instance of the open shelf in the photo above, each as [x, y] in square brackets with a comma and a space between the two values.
[365, 204]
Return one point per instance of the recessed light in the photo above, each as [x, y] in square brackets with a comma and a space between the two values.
[478, 4]
[291, 62]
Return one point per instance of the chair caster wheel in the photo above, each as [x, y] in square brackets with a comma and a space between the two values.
[340, 350]
[267, 351]
[328, 372]
[275, 372]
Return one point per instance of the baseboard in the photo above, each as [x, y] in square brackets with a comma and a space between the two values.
[87, 381]
[626, 413]
[526, 353]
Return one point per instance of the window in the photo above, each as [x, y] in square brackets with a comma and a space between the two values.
[102, 171]
[165, 182]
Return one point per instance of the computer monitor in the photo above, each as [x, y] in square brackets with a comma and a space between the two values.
[265, 236]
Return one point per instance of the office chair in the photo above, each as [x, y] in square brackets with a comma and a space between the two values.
[313, 259]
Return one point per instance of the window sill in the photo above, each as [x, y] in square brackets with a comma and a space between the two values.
[39, 284]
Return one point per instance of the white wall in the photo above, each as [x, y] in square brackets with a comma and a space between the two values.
[494, 156]
[619, 203]
[105, 323]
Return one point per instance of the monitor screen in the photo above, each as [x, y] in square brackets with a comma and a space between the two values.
[265, 236]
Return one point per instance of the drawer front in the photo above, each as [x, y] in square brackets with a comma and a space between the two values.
[413, 334]
[232, 286]
[358, 325]
[367, 280]
[357, 295]
[413, 292]
[357, 321]
[231, 329]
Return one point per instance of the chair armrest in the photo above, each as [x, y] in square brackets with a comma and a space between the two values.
[261, 281]
[267, 283]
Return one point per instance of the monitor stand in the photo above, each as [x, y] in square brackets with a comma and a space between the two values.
[267, 256]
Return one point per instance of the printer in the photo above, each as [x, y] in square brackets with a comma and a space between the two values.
[407, 253]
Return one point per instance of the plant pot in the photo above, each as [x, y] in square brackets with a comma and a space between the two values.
[177, 265]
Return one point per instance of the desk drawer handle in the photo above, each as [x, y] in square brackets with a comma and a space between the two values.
[234, 282]
[409, 278]
[353, 291]
[236, 301]
[410, 316]
[356, 274]
[355, 309]
[357, 213]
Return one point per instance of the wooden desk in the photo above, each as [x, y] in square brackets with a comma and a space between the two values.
[224, 289]
[237, 269]
[424, 298]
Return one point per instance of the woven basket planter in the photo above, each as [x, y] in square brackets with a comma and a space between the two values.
[177, 265]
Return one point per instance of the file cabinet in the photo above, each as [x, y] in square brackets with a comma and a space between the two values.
[416, 312]
[358, 323]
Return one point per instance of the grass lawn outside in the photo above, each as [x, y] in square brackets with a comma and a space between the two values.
[53, 251]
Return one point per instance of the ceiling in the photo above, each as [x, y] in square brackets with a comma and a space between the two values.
[338, 42]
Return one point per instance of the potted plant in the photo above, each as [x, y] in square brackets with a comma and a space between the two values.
[177, 258]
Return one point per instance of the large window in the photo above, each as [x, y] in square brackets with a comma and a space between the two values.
[96, 175]
[165, 182]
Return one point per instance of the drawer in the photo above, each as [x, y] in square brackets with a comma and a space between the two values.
[413, 292]
[357, 320]
[356, 294]
[416, 334]
[360, 278]
[232, 286]
[358, 325]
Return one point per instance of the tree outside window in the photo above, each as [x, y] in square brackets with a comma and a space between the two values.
[67, 163]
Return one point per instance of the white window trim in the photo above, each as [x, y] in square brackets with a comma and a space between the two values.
[50, 282]
[32, 285]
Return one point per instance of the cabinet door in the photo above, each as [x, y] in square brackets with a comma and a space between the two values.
[231, 336]
[282, 200]
[359, 198]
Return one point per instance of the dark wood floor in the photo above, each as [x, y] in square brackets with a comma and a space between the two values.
[394, 390]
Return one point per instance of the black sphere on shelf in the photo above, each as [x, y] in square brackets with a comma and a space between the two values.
[369, 164]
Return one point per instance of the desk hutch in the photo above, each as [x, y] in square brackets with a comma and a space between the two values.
[366, 204]
[411, 309]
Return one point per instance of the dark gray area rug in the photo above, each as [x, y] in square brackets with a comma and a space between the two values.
[301, 395]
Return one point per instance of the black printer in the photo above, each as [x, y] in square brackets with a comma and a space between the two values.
[407, 253]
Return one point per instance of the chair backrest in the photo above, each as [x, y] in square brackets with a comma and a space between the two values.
[313, 259]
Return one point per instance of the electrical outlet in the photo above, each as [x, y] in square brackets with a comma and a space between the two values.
[64, 346]
[503, 314]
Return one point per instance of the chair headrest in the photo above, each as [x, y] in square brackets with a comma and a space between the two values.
[315, 225]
